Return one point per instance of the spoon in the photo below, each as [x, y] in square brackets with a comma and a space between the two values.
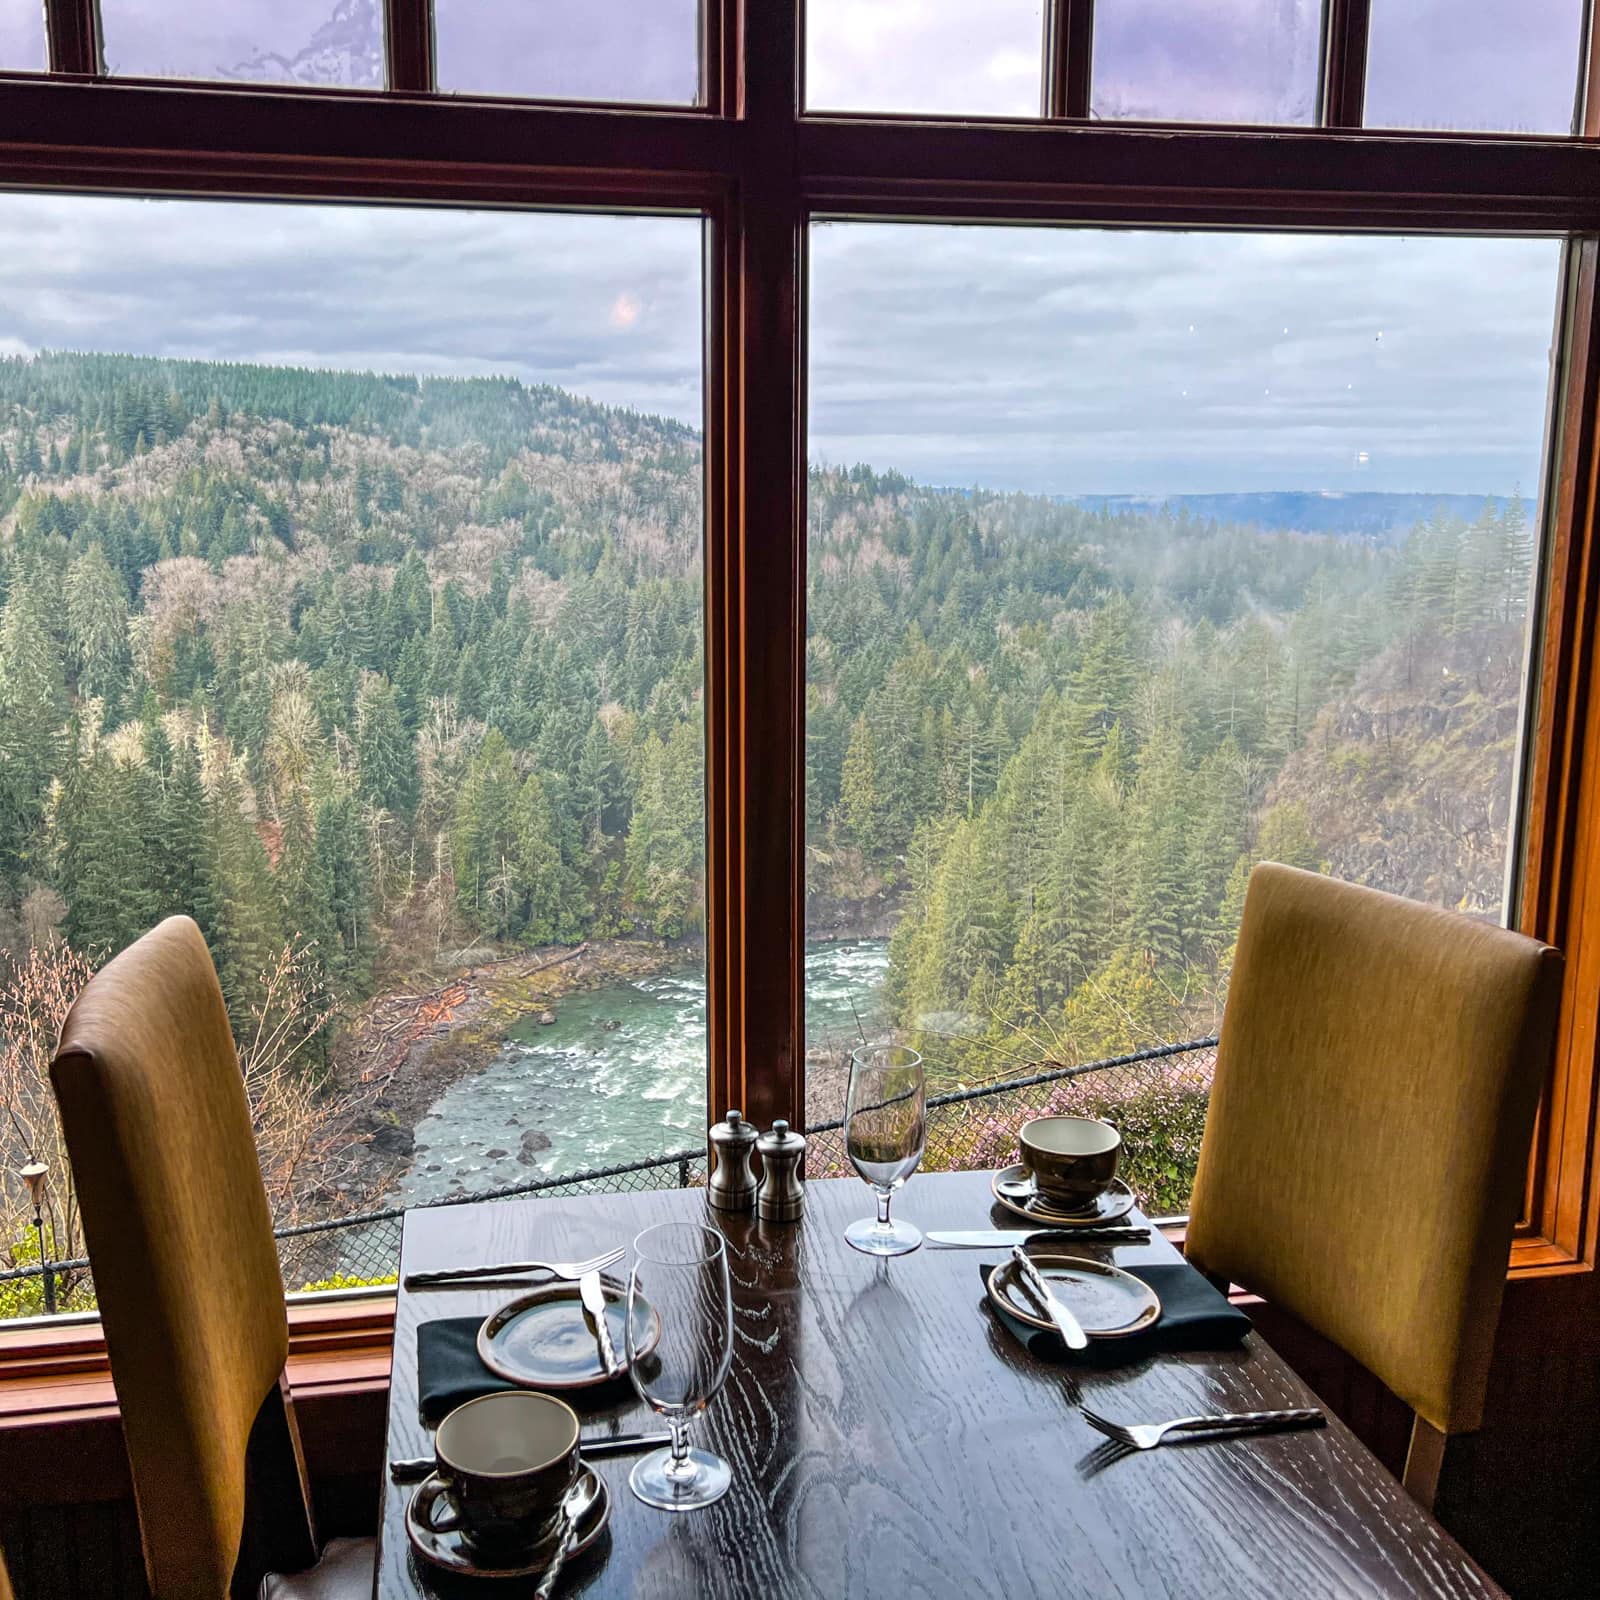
[580, 1497]
[1016, 1188]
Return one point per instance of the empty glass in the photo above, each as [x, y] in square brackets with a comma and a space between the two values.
[885, 1128]
[681, 1270]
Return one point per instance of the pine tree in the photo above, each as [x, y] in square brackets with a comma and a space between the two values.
[384, 757]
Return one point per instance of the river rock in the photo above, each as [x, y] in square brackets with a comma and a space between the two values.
[533, 1142]
[393, 1140]
[546, 1019]
[495, 1155]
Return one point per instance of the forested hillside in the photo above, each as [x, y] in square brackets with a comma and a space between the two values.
[338, 658]
[384, 667]
[1063, 737]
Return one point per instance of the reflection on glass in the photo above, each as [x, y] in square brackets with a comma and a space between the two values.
[1206, 60]
[334, 42]
[941, 57]
[620, 50]
[1506, 65]
[22, 41]
[1135, 558]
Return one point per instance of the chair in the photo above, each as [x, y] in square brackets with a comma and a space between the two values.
[1362, 1166]
[186, 1272]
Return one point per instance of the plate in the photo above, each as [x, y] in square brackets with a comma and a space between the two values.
[1114, 1203]
[543, 1340]
[1108, 1302]
[452, 1552]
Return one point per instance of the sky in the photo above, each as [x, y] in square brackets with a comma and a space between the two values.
[1064, 361]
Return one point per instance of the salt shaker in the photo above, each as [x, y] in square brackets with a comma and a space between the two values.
[733, 1184]
[783, 1196]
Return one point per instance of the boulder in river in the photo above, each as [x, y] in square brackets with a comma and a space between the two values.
[495, 1155]
[533, 1142]
[546, 1019]
[393, 1140]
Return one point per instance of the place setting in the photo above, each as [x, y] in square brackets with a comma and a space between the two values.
[510, 1490]
[1059, 1304]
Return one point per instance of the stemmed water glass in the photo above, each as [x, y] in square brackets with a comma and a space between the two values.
[680, 1273]
[885, 1128]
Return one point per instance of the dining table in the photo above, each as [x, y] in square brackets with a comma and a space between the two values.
[890, 1437]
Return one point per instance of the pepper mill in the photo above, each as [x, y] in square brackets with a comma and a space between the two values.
[783, 1196]
[733, 1184]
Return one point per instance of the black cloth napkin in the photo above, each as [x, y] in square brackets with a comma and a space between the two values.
[1194, 1316]
[449, 1370]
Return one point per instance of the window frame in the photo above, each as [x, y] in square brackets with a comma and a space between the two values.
[759, 169]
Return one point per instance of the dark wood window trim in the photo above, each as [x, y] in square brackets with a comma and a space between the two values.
[758, 172]
[1346, 24]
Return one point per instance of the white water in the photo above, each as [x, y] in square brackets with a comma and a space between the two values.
[619, 1076]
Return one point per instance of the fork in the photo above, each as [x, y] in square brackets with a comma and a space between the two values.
[572, 1270]
[1146, 1436]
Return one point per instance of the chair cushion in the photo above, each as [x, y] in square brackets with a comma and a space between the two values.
[345, 1572]
[1369, 1126]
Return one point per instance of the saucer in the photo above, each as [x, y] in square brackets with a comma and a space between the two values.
[453, 1553]
[1108, 1302]
[543, 1339]
[1113, 1203]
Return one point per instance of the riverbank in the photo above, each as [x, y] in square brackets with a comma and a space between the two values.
[408, 1048]
[404, 1052]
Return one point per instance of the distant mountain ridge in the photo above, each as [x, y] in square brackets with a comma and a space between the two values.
[1381, 516]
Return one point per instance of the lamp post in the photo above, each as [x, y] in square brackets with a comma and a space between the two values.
[34, 1175]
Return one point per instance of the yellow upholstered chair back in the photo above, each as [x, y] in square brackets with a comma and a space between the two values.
[180, 1239]
[5, 1581]
[1364, 1154]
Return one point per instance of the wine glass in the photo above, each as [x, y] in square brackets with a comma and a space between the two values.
[681, 1270]
[885, 1128]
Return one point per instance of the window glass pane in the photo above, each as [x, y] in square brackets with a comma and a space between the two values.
[22, 40]
[337, 42]
[351, 602]
[625, 50]
[970, 57]
[1206, 60]
[1507, 65]
[1135, 558]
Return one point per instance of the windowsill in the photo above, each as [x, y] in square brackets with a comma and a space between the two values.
[54, 1369]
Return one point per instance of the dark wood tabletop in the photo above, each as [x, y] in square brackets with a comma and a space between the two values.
[889, 1438]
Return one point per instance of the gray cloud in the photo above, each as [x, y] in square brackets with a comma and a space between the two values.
[1062, 360]
[22, 47]
[606, 306]
[1083, 361]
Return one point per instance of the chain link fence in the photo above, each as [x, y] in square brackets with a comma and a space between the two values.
[1156, 1097]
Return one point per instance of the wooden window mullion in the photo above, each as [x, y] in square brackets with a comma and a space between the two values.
[408, 44]
[1068, 54]
[1344, 63]
[73, 31]
[755, 593]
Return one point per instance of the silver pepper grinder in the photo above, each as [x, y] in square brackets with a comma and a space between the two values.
[783, 1196]
[733, 1184]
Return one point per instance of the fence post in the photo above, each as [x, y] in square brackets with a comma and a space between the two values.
[46, 1271]
[683, 1172]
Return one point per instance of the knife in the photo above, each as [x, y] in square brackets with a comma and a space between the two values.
[594, 1302]
[1004, 1238]
[1058, 1313]
[414, 1469]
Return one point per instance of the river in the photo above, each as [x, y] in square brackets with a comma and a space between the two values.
[619, 1076]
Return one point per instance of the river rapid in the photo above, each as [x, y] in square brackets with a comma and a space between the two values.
[619, 1076]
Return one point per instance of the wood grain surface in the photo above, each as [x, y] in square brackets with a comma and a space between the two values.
[888, 1438]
